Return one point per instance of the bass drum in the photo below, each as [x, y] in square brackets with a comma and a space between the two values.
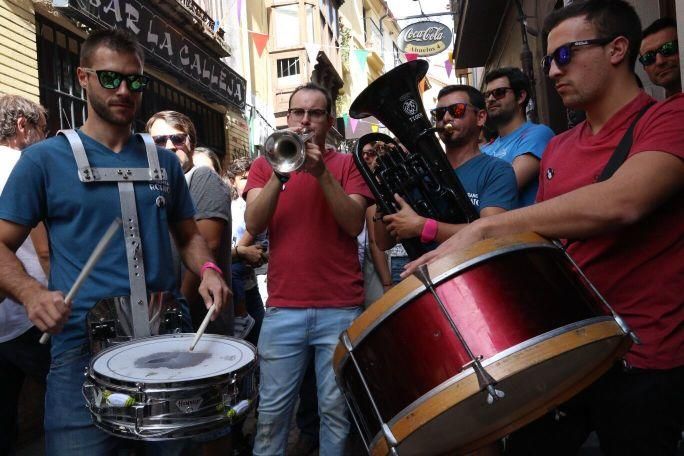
[539, 329]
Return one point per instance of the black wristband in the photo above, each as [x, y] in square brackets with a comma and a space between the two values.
[282, 177]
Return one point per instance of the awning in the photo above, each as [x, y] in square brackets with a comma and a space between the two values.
[477, 29]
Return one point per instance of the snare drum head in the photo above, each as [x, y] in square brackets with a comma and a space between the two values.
[164, 359]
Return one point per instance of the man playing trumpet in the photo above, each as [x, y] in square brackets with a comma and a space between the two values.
[315, 286]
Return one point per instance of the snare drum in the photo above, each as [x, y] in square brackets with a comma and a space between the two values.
[155, 389]
[537, 331]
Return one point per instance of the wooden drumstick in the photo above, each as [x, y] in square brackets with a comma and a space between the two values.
[90, 264]
[202, 327]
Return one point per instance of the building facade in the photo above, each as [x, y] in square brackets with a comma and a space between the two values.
[40, 43]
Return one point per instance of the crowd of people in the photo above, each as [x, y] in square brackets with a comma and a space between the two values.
[610, 188]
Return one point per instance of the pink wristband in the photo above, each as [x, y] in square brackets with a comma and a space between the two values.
[429, 232]
[210, 265]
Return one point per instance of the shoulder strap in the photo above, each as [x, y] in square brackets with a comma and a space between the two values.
[622, 150]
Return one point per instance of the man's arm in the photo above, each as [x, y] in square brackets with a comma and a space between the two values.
[261, 205]
[211, 229]
[377, 255]
[526, 168]
[39, 238]
[195, 253]
[642, 184]
[46, 309]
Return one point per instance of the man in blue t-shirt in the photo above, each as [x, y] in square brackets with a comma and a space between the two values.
[45, 186]
[489, 182]
[519, 142]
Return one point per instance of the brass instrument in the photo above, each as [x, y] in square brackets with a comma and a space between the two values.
[420, 174]
[285, 150]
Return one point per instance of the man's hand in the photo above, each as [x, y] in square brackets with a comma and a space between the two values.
[252, 254]
[47, 310]
[463, 239]
[214, 290]
[405, 223]
[314, 160]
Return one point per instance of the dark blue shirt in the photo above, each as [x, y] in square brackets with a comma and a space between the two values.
[489, 182]
[44, 185]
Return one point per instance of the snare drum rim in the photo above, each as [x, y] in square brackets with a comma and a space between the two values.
[150, 387]
[386, 306]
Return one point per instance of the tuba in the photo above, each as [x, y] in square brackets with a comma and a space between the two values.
[421, 174]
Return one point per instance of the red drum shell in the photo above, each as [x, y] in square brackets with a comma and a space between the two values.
[506, 298]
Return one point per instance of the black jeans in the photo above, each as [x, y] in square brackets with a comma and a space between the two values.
[20, 357]
[633, 411]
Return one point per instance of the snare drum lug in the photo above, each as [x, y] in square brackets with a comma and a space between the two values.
[391, 440]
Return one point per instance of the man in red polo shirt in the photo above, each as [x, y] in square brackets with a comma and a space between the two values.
[315, 286]
[626, 231]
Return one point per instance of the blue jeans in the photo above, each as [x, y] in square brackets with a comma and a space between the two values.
[69, 429]
[284, 344]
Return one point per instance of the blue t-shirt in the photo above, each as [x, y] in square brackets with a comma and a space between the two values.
[44, 185]
[489, 182]
[529, 138]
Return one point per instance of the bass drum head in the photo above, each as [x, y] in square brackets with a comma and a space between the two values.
[166, 359]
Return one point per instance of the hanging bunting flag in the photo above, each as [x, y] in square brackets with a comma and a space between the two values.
[411, 56]
[239, 10]
[345, 118]
[353, 123]
[217, 25]
[260, 40]
[448, 66]
[361, 57]
[374, 128]
[312, 50]
[451, 55]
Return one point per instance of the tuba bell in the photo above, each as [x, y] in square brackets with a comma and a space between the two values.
[285, 150]
[420, 173]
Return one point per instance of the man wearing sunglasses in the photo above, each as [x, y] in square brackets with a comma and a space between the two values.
[77, 204]
[519, 142]
[488, 181]
[659, 55]
[624, 230]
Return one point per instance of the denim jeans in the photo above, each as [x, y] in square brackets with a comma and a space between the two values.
[284, 344]
[69, 429]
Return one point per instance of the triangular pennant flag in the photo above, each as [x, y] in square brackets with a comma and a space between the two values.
[374, 128]
[260, 40]
[353, 123]
[239, 11]
[217, 26]
[361, 56]
[312, 50]
[345, 118]
[448, 66]
[411, 56]
[451, 55]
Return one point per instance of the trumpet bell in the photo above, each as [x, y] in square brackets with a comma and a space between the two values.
[285, 151]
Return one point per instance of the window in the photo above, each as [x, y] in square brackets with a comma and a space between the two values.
[286, 25]
[288, 67]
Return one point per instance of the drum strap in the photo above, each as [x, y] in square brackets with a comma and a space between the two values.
[125, 177]
[622, 150]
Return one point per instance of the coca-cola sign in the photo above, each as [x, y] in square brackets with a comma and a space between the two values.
[425, 38]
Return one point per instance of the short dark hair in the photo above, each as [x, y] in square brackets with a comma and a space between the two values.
[612, 18]
[313, 86]
[177, 120]
[12, 107]
[119, 40]
[658, 25]
[475, 96]
[516, 79]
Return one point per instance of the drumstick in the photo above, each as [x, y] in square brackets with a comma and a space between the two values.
[202, 327]
[90, 264]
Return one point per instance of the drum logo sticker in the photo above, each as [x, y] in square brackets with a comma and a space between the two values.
[190, 405]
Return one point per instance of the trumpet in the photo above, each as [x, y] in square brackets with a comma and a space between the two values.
[285, 150]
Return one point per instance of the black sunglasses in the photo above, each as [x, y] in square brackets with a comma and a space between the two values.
[113, 79]
[563, 54]
[666, 50]
[178, 139]
[456, 110]
[497, 93]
